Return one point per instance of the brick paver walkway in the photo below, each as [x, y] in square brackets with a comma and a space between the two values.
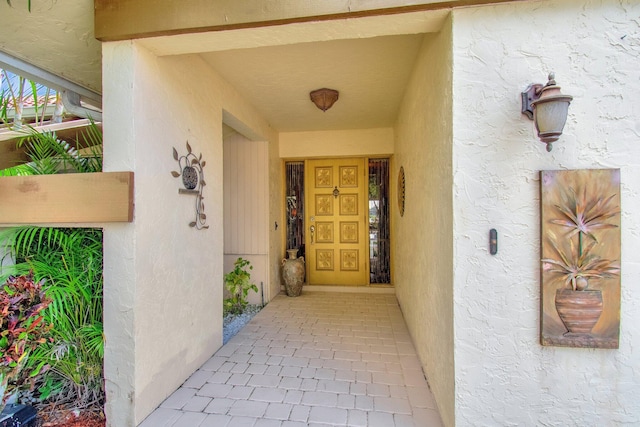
[321, 359]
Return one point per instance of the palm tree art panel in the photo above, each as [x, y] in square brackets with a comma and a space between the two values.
[580, 262]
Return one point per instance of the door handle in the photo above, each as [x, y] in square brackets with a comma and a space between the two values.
[312, 229]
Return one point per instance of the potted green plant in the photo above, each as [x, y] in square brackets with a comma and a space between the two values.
[238, 283]
[582, 216]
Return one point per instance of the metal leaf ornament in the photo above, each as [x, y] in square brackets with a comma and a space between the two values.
[191, 170]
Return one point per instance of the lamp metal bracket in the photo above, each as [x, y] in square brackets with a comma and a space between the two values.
[531, 93]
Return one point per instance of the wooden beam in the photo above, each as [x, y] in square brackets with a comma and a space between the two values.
[134, 19]
[67, 198]
[10, 155]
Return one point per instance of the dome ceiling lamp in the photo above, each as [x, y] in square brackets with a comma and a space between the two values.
[324, 98]
[548, 109]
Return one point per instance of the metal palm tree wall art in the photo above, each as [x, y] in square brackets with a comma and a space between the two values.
[191, 171]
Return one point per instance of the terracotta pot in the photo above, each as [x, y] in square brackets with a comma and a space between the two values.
[579, 310]
[293, 273]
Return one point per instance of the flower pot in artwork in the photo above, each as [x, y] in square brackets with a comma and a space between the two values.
[293, 273]
[579, 310]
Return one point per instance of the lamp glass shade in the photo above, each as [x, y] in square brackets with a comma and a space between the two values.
[550, 116]
[548, 108]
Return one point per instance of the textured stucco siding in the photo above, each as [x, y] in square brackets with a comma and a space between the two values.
[423, 251]
[119, 291]
[503, 375]
[163, 279]
[56, 37]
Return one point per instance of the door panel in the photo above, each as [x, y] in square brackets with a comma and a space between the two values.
[335, 217]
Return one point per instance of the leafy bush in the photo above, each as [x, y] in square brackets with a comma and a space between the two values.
[23, 329]
[71, 261]
[238, 284]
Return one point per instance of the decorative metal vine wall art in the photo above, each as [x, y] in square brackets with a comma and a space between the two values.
[191, 170]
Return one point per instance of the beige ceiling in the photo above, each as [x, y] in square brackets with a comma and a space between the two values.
[369, 60]
[370, 75]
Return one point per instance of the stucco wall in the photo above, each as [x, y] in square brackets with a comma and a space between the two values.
[55, 36]
[503, 375]
[163, 279]
[353, 142]
[422, 255]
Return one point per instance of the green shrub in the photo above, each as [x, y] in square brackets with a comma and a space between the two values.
[23, 329]
[71, 262]
[238, 284]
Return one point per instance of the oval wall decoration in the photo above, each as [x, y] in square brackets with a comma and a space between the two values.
[401, 191]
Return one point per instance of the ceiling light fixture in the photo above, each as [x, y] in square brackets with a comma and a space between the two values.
[548, 109]
[324, 98]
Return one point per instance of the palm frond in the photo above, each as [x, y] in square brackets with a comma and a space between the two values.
[92, 144]
[93, 338]
[18, 170]
[50, 155]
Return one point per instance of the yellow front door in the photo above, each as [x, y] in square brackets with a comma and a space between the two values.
[336, 221]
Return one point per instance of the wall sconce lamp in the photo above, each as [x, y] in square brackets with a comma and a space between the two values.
[548, 108]
[324, 98]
